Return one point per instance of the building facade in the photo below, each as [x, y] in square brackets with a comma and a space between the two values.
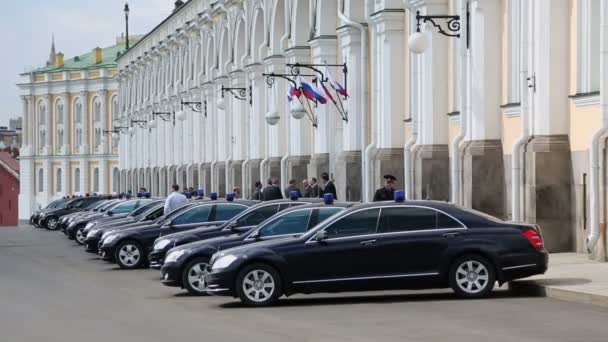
[509, 118]
[68, 109]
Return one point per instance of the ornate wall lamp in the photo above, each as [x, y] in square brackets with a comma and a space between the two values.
[238, 93]
[419, 42]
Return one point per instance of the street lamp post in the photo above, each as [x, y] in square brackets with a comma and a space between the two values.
[127, 22]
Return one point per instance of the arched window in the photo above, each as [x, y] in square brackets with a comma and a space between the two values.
[78, 122]
[59, 136]
[58, 185]
[77, 180]
[96, 180]
[42, 121]
[115, 113]
[97, 122]
[40, 180]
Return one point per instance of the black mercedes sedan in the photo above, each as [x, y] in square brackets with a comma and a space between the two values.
[65, 220]
[50, 218]
[186, 265]
[238, 224]
[382, 246]
[129, 248]
[144, 214]
[34, 219]
[82, 220]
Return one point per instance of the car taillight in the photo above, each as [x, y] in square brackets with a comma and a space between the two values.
[534, 238]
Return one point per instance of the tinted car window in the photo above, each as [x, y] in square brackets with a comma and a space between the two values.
[77, 203]
[413, 218]
[194, 215]
[291, 223]
[324, 213]
[124, 207]
[444, 222]
[144, 208]
[257, 216]
[359, 223]
[225, 212]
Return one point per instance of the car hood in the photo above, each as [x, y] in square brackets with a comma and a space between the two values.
[258, 245]
[214, 242]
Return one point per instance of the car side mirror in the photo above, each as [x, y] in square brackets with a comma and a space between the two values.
[233, 226]
[256, 235]
[321, 236]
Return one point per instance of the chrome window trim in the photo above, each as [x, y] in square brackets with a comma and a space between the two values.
[407, 275]
[464, 227]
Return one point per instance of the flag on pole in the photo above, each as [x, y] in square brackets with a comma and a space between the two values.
[335, 84]
[293, 92]
[310, 93]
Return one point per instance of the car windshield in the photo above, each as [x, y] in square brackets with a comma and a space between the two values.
[175, 212]
[123, 207]
[110, 206]
[154, 213]
[253, 216]
[94, 205]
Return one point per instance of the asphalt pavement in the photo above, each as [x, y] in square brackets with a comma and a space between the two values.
[52, 290]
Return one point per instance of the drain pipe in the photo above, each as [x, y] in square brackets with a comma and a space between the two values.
[599, 136]
[363, 98]
[286, 158]
[517, 170]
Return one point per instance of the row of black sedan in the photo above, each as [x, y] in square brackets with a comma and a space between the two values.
[260, 251]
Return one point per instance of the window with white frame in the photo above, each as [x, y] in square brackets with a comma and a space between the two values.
[76, 180]
[96, 180]
[587, 46]
[97, 122]
[40, 180]
[59, 131]
[58, 185]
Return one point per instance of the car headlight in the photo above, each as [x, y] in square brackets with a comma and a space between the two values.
[173, 256]
[72, 225]
[42, 215]
[110, 238]
[223, 262]
[162, 244]
[92, 232]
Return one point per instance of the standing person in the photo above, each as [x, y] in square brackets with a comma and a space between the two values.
[237, 192]
[292, 187]
[306, 187]
[174, 200]
[314, 187]
[330, 188]
[387, 192]
[272, 191]
[257, 193]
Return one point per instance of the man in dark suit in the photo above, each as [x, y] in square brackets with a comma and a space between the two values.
[386, 193]
[314, 187]
[257, 194]
[272, 191]
[292, 187]
[330, 188]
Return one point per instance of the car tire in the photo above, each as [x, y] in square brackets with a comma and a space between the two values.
[129, 255]
[259, 285]
[79, 236]
[193, 276]
[51, 223]
[472, 276]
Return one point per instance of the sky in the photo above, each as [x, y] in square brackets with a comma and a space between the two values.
[27, 27]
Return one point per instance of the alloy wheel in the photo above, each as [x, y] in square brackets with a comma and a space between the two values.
[258, 285]
[80, 236]
[52, 223]
[472, 276]
[196, 276]
[129, 255]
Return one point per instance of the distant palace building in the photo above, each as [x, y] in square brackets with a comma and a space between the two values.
[67, 106]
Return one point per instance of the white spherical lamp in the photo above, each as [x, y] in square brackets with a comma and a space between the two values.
[221, 104]
[297, 110]
[115, 136]
[272, 118]
[181, 115]
[152, 123]
[418, 42]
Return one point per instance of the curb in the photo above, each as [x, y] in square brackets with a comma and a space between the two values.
[533, 288]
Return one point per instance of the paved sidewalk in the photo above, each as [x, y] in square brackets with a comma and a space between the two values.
[571, 277]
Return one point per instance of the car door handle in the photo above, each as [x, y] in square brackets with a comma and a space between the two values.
[450, 235]
[368, 242]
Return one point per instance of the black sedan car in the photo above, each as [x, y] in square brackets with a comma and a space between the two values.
[65, 220]
[50, 219]
[129, 248]
[51, 206]
[77, 219]
[142, 215]
[238, 224]
[186, 266]
[380, 246]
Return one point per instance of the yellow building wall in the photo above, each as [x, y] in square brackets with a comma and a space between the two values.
[511, 131]
[584, 122]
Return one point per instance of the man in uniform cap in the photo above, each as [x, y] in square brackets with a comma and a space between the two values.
[386, 193]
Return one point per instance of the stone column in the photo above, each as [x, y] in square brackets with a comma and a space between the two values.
[86, 121]
[103, 171]
[257, 125]
[84, 175]
[300, 131]
[348, 164]
[548, 166]
[389, 107]
[278, 141]
[238, 122]
[25, 100]
[66, 176]
[483, 169]
[31, 114]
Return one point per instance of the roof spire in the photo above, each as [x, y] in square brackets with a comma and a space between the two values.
[52, 55]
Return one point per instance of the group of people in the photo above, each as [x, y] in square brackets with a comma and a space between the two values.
[311, 188]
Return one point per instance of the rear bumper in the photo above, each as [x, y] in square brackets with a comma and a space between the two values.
[522, 265]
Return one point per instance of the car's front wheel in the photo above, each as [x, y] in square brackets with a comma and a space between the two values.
[129, 255]
[193, 276]
[51, 223]
[259, 285]
[79, 236]
[472, 276]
